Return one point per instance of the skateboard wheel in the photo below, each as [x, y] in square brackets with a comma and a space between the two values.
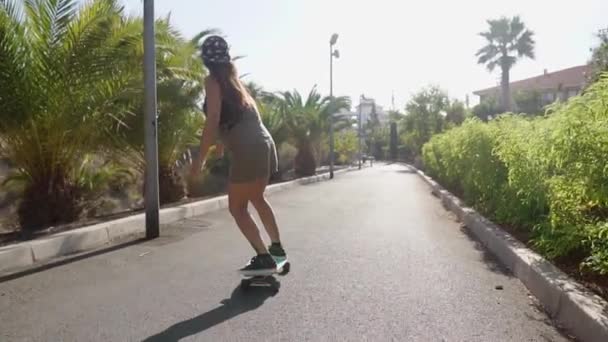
[245, 284]
[285, 269]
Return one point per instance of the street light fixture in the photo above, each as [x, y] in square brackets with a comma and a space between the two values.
[332, 41]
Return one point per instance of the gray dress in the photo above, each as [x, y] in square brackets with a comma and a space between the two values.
[250, 145]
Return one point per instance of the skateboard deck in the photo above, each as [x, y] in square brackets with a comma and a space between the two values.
[266, 279]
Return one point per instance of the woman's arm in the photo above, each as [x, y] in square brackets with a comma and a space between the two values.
[214, 103]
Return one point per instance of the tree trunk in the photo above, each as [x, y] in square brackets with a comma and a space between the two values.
[50, 201]
[393, 143]
[506, 92]
[171, 186]
[305, 160]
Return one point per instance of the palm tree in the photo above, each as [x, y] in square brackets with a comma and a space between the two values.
[255, 90]
[307, 122]
[63, 67]
[259, 94]
[507, 41]
[272, 117]
[180, 73]
[269, 107]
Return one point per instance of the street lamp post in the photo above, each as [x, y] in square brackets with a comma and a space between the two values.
[360, 130]
[151, 141]
[332, 54]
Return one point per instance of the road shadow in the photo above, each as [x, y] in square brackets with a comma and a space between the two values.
[487, 257]
[68, 259]
[407, 170]
[170, 233]
[239, 302]
[404, 168]
[544, 317]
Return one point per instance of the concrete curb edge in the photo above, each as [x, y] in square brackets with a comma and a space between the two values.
[16, 257]
[580, 311]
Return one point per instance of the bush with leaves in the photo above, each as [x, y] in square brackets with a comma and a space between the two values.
[487, 109]
[578, 187]
[307, 123]
[63, 66]
[547, 176]
[424, 117]
[521, 148]
[463, 159]
[599, 57]
[346, 146]
[213, 179]
[180, 73]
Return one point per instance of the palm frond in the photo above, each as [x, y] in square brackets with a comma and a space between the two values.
[524, 45]
[75, 70]
[505, 36]
[488, 36]
[48, 20]
[47, 24]
[516, 27]
[14, 64]
[179, 88]
[487, 53]
[492, 65]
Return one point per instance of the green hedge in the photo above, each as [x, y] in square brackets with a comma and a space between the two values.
[546, 176]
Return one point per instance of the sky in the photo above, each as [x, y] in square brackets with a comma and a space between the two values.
[386, 46]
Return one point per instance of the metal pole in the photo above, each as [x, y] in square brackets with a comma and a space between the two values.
[360, 131]
[331, 114]
[150, 129]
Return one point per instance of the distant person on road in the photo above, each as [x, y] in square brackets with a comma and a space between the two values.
[232, 116]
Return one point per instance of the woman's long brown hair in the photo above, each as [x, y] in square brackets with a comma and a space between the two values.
[233, 91]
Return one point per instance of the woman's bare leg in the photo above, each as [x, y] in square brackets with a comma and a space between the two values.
[265, 211]
[239, 196]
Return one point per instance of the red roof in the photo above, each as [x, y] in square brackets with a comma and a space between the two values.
[574, 77]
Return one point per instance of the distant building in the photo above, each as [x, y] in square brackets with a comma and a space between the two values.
[366, 107]
[552, 86]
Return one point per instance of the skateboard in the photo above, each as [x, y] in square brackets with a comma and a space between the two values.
[267, 280]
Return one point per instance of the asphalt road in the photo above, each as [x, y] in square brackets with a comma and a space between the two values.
[374, 258]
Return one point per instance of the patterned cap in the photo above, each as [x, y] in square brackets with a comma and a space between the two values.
[215, 50]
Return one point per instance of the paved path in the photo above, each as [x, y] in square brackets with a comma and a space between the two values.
[374, 258]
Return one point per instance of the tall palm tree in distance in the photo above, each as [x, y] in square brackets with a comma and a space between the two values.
[508, 40]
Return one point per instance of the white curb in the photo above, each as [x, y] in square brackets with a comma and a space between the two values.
[580, 311]
[16, 256]
[26, 254]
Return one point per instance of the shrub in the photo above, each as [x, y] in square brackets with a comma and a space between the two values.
[63, 66]
[287, 155]
[546, 176]
[463, 159]
[346, 146]
[213, 179]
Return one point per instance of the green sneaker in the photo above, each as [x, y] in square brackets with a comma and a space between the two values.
[276, 250]
[259, 265]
